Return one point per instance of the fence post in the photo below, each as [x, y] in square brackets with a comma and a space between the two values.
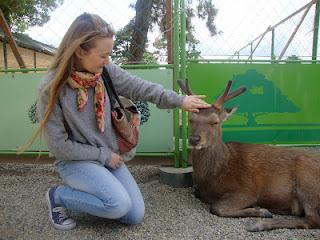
[315, 32]
[273, 57]
[176, 76]
[184, 160]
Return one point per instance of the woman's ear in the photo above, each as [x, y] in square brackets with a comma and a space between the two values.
[80, 53]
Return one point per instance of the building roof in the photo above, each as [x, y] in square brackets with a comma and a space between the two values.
[25, 41]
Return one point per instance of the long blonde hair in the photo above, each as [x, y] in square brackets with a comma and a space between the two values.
[83, 32]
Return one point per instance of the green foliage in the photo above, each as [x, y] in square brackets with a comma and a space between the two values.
[192, 42]
[121, 53]
[143, 108]
[27, 13]
[32, 113]
[131, 41]
[149, 58]
[207, 11]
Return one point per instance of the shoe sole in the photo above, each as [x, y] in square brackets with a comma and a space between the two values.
[57, 226]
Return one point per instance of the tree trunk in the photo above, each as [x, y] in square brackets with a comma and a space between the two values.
[140, 32]
[169, 30]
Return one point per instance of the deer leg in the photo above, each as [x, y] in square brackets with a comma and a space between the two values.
[238, 206]
[245, 212]
[303, 223]
[311, 221]
[197, 192]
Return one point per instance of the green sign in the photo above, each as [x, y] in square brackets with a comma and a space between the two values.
[280, 105]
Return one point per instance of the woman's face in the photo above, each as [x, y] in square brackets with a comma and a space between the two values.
[94, 59]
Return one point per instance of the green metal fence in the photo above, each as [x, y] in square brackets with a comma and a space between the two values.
[274, 62]
[18, 93]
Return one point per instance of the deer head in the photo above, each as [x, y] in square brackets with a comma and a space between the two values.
[206, 124]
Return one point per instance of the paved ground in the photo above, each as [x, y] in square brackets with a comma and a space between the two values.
[171, 213]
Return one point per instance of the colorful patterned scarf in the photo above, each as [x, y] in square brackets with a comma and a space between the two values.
[81, 81]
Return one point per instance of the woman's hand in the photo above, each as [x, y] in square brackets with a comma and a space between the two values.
[192, 103]
[116, 161]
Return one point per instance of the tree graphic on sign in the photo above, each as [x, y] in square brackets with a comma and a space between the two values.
[262, 97]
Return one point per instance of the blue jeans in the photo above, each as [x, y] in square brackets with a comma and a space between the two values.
[100, 191]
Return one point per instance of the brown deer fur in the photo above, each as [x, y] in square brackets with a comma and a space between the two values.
[252, 180]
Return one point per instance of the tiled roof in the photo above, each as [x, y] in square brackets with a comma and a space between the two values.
[25, 41]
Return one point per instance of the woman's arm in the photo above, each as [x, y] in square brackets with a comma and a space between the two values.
[135, 88]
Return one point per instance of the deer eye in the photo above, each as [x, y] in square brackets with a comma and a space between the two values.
[213, 123]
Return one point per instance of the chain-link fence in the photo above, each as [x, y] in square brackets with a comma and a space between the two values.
[140, 36]
[133, 41]
[217, 29]
[260, 29]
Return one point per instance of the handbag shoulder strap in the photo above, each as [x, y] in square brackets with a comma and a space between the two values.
[110, 89]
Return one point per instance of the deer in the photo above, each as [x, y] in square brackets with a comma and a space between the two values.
[251, 180]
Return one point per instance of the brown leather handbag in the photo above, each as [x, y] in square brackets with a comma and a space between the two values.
[125, 117]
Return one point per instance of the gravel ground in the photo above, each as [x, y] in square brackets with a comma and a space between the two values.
[171, 213]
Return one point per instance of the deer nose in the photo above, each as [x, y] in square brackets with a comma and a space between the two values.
[194, 140]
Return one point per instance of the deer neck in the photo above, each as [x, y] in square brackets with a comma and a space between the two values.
[214, 159]
[220, 156]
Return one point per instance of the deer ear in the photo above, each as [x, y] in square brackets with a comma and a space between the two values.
[227, 112]
[184, 85]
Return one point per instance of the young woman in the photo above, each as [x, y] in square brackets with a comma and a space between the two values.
[75, 116]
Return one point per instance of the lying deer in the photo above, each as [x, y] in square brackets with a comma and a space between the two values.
[251, 180]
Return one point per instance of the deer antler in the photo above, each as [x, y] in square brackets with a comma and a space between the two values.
[185, 86]
[226, 96]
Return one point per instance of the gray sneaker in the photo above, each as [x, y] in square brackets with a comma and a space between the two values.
[58, 215]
